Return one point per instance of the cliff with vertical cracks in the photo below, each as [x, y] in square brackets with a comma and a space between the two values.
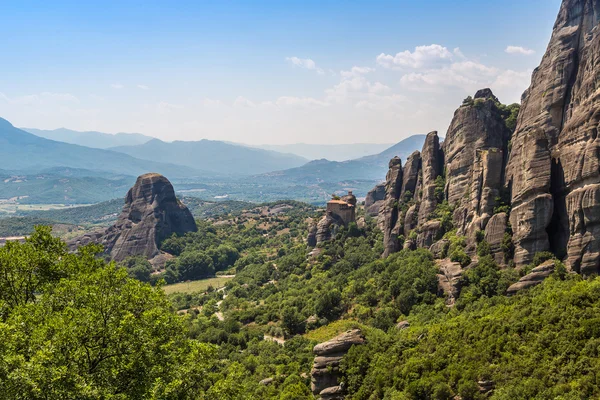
[540, 184]
[475, 149]
[554, 167]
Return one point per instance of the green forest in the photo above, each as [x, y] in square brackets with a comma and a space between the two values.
[77, 327]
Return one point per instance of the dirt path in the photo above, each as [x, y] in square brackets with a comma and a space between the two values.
[281, 341]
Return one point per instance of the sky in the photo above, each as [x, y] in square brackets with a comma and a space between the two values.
[264, 72]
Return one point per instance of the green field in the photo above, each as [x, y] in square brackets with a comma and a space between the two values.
[12, 208]
[197, 286]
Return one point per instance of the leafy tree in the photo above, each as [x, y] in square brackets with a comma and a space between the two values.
[192, 265]
[138, 267]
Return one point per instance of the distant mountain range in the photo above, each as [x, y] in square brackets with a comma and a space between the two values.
[23, 151]
[332, 152]
[372, 167]
[97, 140]
[214, 156]
[34, 169]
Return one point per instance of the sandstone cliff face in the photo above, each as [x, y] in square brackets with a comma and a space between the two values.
[553, 171]
[410, 175]
[474, 149]
[432, 161]
[374, 200]
[151, 214]
[388, 213]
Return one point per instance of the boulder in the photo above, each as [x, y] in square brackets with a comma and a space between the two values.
[332, 393]
[266, 381]
[151, 214]
[534, 278]
[402, 325]
[340, 343]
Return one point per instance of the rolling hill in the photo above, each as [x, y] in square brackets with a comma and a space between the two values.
[23, 151]
[215, 156]
[97, 140]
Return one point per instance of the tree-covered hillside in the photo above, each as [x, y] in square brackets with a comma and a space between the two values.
[62, 342]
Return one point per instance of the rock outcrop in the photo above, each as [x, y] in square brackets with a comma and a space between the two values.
[449, 280]
[339, 212]
[374, 200]
[325, 373]
[534, 278]
[432, 161]
[389, 213]
[327, 227]
[410, 176]
[474, 149]
[554, 166]
[151, 214]
[311, 239]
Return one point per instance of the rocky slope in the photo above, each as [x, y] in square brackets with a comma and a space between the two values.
[151, 214]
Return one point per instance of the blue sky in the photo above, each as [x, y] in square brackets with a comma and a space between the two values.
[263, 71]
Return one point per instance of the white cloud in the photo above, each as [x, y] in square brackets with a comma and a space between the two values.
[519, 50]
[299, 102]
[241, 101]
[116, 86]
[422, 56]
[143, 87]
[356, 71]
[306, 63]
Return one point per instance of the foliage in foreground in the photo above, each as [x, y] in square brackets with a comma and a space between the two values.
[74, 327]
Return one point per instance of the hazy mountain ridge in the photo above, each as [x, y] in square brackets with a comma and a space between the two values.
[373, 167]
[94, 139]
[23, 151]
[332, 152]
[214, 156]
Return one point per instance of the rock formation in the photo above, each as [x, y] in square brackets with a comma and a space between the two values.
[151, 214]
[410, 176]
[388, 213]
[554, 166]
[339, 212]
[474, 149]
[374, 200]
[535, 277]
[449, 280]
[311, 239]
[432, 161]
[325, 373]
